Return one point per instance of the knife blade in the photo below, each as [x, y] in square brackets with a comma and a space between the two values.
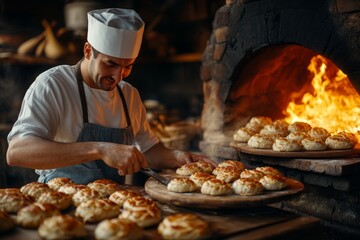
[158, 177]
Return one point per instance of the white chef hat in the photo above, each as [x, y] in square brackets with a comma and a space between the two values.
[115, 32]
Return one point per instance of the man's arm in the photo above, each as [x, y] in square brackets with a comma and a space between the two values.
[37, 153]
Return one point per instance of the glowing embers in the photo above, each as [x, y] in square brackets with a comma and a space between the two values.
[334, 103]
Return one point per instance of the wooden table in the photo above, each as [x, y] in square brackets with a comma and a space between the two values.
[263, 222]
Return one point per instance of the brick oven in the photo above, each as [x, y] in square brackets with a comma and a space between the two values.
[256, 62]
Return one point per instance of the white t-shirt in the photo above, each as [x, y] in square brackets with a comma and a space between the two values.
[51, 109]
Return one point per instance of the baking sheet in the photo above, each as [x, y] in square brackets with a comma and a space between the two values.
[243, 147]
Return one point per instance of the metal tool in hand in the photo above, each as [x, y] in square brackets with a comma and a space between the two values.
[158, 177]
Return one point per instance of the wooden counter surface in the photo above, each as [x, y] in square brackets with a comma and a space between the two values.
[251, 223]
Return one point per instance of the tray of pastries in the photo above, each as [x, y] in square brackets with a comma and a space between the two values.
[263, 136]
[228, 185]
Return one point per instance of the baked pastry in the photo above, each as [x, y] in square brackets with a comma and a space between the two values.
[269, 170]
[200, 177]
[319, 132]
[84, 195]
[223, 169]
[247, 187]
[9, 190]
[215, 187]
[95, 210]
[339, 142]
[188, 169]
[239, 166]
[72, 188]
[144, 215]
[349, 135]
[299, 127]
[35, 189]
[298, 136]
[32, 216]
[59, 199]
[282, 144]
[243, 134]
[181, 185]
[12, 201]
[120, 196]
[61, 227]
[117, 229]
[261, 141]
[184, 226]
[313, 144]
[273, 182]
[228, 176]
[251, 173]
[205, 166]
[56, 183]
[6, 222]
[135, 202]
[272, 129]
[258, 121]
[104, 186]
[280, 122]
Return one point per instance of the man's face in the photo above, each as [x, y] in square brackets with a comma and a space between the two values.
[106, 71]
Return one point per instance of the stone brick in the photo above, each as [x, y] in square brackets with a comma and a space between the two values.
[221, 34]
[219, 51]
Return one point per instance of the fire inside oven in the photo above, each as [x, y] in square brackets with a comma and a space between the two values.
[294, 83]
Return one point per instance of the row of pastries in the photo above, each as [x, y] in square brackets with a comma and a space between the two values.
[263, 133]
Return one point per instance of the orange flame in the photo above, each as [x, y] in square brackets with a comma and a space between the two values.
[334, 104]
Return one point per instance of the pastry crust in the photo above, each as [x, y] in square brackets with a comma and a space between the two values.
[72, 188]
[272, 129]
[273, 182]
[219, 169]
[137, 203]
[60, 200]
[261, 141]
[339, 142]
[120, 196]
[188, 169]
[238, 166]
[33, 215]
[285, 145]
[84, 195]
[215, 187]
[267, 170]
[104, 187]
[95, 210]
[313, 144]
[299, 127]
[243, 134]
[181, 185]
[12, 201]
[61, 227]
[144, 216]
[6, 222]
[35, 189]
[247, 187]
[298, 136]
[185, 226]
[228, 176]
[251, 173]
[319, 132]
[117, 229]
[259, 121]
[200, 177]
[56, 183]
[205, 166]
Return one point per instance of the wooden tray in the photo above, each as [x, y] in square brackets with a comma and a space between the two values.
[159, 192]
[243, 147]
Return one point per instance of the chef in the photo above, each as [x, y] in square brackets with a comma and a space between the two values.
[84, 121]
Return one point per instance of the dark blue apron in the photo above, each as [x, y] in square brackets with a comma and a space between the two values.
[93, 170]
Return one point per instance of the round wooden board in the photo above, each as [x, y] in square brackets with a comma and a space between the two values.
[159, 192]
[243, 147]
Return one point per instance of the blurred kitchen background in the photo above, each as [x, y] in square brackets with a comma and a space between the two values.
[36, 35]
